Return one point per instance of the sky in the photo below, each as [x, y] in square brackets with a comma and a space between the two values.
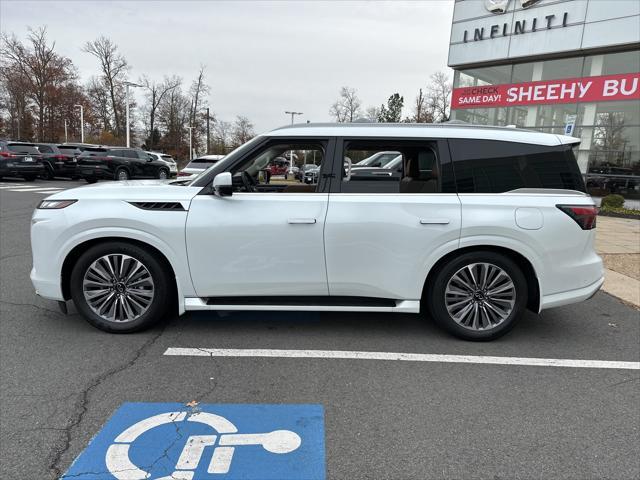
[261, 57]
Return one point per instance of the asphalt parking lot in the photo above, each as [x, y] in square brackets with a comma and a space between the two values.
[61, 380]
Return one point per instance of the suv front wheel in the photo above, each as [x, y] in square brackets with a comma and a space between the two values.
[119, 287]
[478, 295]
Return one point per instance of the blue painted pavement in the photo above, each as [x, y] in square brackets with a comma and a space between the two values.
[170, 441]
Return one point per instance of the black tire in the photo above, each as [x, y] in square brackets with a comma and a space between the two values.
[29, 178]
[165, 172]
[48, 173]
[124, 172]
[162, 290]
[91, 179]
[436, 302]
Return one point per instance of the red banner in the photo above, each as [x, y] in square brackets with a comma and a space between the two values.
[588, 89]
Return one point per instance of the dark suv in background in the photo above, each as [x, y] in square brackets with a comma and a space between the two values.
[118, 163]
[59, 160]
[18, 159]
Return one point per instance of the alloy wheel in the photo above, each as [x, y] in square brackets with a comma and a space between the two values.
[480, 296]
[118, 288]
[123, 175]
[162, 175]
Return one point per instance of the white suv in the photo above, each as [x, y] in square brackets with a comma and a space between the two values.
[479, 224]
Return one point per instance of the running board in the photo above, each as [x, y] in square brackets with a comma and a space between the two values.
[340, 304]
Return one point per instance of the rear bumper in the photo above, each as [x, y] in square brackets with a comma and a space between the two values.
[20, 170]
[571, 296]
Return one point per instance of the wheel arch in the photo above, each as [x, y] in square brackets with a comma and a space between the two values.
[533, 283]
[75, 253]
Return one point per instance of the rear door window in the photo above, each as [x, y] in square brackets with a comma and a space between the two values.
[396, 166]
[490, 166]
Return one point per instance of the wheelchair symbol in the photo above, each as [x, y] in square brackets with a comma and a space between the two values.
[227, 439]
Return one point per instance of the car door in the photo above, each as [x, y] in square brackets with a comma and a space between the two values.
[265, 239]
[383, 232]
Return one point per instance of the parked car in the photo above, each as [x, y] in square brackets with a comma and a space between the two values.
[484, 223]
[311, 173]
[58, 162]
[391, 170]
[118, 163]
[19, 159]
[168, 159]
[378, 159]
[278, 166]
[198, 165]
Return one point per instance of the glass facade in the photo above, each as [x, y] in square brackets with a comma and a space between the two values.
[609, 151]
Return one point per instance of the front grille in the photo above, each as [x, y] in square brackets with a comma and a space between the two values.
[166, 206]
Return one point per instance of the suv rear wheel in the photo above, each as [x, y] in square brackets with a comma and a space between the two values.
[122, 174]
[478, 295]
[163, 174]
[120, 288]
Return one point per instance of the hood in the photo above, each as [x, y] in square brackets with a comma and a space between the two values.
[130, 190]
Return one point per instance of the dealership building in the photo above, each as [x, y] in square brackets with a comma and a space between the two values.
[561, 66]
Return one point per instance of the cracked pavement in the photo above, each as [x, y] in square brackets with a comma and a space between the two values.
[60, 381]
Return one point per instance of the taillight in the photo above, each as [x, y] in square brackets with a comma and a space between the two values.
[584, 215]
[60, 157]
[183, 174]
[7, 154]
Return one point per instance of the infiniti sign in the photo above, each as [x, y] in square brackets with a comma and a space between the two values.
[525, 25]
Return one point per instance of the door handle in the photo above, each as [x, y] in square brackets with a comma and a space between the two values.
[296, 221]
[434, 221]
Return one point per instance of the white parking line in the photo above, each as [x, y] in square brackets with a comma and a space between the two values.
[37, 190]
[403, 357]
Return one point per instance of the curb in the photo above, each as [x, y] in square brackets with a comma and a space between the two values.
[622, 287]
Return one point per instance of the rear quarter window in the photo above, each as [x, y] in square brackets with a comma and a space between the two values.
[490, 166]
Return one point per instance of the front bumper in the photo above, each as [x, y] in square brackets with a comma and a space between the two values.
[48, 289]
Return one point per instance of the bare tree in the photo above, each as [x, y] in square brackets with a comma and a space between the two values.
[242, 130]
[114, 68]
[222, 136]
[198, 91]
[347, 107]
[155, 94]
[439, 97]
[372, 114]
[40, 67]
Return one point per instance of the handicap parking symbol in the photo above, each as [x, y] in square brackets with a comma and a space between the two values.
[169, 441]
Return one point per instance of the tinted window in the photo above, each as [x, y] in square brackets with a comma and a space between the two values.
[405, 167]
[488, 166]
[68, 150]
[93, 152]
[17, 148]
[45, 149]
[167, 158]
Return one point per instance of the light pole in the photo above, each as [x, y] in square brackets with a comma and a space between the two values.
[127, 85]
[81, 122]
[190, 149]
[293, 114]
[66, 139]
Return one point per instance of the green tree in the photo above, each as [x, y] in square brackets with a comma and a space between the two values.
[392, 112]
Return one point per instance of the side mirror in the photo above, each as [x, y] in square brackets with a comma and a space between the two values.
[223, 184]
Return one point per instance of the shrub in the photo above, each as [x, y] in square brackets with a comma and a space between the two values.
[613, 201]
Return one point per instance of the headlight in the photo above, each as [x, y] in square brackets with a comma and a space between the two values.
[55, 204]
